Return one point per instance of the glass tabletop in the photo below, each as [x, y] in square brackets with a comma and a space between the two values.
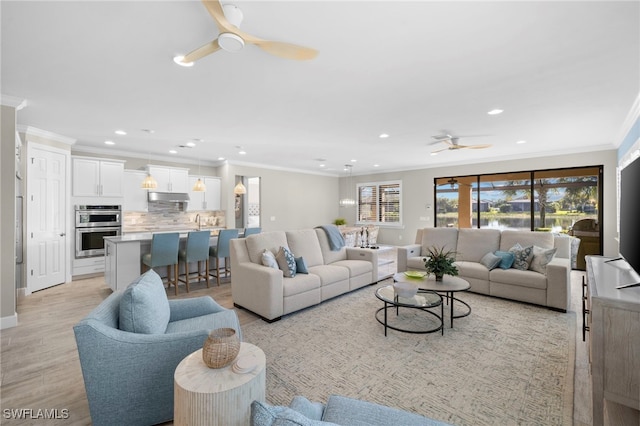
[423, 299]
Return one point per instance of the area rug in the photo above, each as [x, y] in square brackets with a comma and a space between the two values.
[507, 363]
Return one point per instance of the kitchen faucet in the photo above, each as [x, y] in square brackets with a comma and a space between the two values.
[197, 220]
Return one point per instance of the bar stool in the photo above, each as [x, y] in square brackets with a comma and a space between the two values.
[221, 250]
[196, 250]
[164, 252]
[251, 231]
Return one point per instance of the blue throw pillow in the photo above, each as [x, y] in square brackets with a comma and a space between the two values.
[507, 259]
[301, 265]
[144, 307]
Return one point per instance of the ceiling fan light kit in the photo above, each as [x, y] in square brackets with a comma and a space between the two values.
[230, 42]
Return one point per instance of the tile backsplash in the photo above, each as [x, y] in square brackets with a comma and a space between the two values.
[170, 219]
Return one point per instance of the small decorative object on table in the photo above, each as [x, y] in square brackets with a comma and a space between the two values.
[405, 289]
[221, 348]
[440, 262]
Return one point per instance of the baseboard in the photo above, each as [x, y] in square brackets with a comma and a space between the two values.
[8, 322]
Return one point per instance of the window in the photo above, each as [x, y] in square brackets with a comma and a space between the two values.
[379, 203]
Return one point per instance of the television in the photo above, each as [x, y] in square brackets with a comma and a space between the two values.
[629, 237]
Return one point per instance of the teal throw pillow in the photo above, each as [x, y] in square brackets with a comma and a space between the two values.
[506, 259]
[523, 256]
[144, 307]
[301, 265]
[286, 262]
[490, 261]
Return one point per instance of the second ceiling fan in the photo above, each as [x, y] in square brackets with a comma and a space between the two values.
[453, 143]
[232, 39]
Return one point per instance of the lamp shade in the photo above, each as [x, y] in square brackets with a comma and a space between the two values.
[199, 186]
[149, 182]
[239, 189]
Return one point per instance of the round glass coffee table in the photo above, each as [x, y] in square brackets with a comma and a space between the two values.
[423, 300]
[448, 286]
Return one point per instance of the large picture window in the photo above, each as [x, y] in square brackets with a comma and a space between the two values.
[379, 203]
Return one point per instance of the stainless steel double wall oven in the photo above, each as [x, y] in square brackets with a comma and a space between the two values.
[93, 223]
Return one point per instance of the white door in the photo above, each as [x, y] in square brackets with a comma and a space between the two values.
[46, 219]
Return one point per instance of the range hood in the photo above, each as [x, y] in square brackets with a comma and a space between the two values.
[169, 197]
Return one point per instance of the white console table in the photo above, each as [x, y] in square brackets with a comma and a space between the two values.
[614, 343]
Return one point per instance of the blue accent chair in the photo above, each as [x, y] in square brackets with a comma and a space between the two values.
[221, 251]
[196, 250]
[251, 231]
[164, 252]
[128, 376]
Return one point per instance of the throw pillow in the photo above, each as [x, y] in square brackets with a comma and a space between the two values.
[144, 307]
[523, 256]
[541, 258]
[269, 259]
[301, 265]
[263, 414]
[506, 259]
[491, 261]
[286, 262]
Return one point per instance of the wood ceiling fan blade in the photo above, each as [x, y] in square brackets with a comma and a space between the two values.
[202, 51]
[478, 146]
[284, 50]
[215, 10]
[440, 150]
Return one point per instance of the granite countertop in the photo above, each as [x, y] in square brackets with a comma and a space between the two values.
[148, 235]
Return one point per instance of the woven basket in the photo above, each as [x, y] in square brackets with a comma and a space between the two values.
[221, 348]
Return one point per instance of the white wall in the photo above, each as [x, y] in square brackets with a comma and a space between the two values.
[417, 191]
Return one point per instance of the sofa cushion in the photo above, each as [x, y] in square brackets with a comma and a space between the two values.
[416, 263]
[269, 259]
[144, 307]
[263, 414]
[286, 262]
[517, 277]
[507, 259]
[472, 270]
[330, 274]
[541, 258]
[473, 244]
[522, 256]
[446, 238]
[301, 283]
[328, 255]
[355, 267]
[257, 243]
[510, 238]
[490, 261]
[305, 243]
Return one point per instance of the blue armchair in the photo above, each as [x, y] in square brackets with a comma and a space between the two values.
[131, 344]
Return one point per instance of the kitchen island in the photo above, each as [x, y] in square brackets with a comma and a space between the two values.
[123, 253]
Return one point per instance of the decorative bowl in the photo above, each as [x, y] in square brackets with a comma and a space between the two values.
[404, 289]
[221, 348]
[415, 274]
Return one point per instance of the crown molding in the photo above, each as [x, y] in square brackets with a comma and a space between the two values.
[629, 122]
[12, 101]
[83, 149]
[33, 131]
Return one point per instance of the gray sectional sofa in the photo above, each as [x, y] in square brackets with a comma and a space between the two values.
[547, 286]
[339, 410]
[269, 293]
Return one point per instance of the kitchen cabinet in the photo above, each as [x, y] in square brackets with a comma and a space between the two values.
[207, 200]
[170, 179]
[121, 263]
[93, 177]
[135, 197]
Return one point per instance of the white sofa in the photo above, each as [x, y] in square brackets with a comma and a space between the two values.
[267, 292]
[551, 289]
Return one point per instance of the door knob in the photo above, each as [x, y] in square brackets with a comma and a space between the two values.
[63, 234]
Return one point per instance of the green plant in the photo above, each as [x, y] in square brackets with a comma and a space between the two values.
[440, 262]
[339, 221]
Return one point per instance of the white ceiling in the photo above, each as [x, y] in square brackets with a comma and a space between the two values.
[565, 73]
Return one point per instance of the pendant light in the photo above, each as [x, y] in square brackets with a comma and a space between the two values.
[199, 185]
[149, 182]
[348, 200]
[239, 189]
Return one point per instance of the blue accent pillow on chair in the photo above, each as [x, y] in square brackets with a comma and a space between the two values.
[144, 307]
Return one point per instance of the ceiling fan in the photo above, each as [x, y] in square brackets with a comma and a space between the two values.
[453, 143]
[232, 39]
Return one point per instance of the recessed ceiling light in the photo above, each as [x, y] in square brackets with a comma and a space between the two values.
[109, 142]
[178, 60]
[173, 151]
[120, 132]
[521, 142]
[242, 152]
[433, 154]
[354, 160]
[191, 144]
[376, 165]
[323, 165]
[495, 111]
[383, 135]
[220, 158]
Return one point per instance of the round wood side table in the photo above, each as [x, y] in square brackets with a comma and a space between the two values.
[217, 396]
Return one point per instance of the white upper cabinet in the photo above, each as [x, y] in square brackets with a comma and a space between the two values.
[94, 177]
[170, 179]
[135, 197]
[207, 200]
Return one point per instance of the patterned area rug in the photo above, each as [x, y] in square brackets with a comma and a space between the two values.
[506, 364]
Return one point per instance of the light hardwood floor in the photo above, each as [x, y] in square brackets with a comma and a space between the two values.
[40, 368]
